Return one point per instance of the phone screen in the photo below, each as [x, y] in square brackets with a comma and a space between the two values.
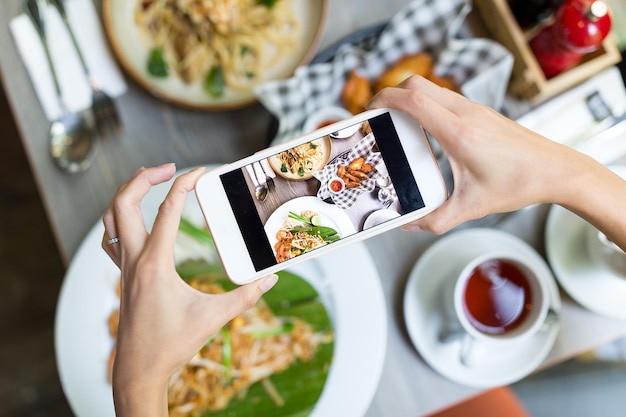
[323, 190]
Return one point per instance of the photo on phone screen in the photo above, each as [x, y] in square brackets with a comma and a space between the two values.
[323, 190]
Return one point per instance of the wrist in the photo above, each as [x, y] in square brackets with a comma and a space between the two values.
[135, 395]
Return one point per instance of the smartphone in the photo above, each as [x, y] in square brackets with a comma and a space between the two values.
[340, 184]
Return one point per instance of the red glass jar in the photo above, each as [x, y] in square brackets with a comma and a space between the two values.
[579, 27]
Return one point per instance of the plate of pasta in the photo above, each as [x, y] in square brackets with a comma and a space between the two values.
[317, 301]
[211, 54]
[302, 161]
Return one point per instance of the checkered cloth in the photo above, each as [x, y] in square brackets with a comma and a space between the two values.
[348, 196]
[480, 66]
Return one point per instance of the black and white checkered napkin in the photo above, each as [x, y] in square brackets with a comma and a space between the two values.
[481, 67]
[348, 196]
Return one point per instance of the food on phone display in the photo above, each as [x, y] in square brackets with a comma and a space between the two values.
[255, 347]
[219, 43]
[355, 172]
[302, 233]
[300, 162]
[358, 90]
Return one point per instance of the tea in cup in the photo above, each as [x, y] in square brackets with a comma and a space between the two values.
[499, 300]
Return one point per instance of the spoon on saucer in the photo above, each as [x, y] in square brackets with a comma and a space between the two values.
[72, 136]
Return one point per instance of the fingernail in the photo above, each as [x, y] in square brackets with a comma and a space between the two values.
[267, 283]
[411, 228]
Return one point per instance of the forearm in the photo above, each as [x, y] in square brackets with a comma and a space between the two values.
[597, 195]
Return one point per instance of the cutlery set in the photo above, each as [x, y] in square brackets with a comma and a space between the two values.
[73, 135]
[262, 176]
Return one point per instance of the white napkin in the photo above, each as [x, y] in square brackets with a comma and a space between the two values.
[75, 89]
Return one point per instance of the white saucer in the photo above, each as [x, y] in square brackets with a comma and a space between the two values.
[593, 286]
[424, 314]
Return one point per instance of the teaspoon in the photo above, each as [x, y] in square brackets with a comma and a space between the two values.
[72, 137]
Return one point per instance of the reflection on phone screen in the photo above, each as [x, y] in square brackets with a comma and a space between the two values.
[321, 191]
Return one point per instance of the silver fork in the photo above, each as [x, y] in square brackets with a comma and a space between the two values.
[102, 106]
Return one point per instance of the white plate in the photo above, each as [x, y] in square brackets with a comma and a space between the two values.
[330, 216]
[424, 314]
[131, 52]
[379, 216]
[87, 298]
[593, 286]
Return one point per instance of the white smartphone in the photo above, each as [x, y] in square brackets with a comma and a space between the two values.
[342, 183]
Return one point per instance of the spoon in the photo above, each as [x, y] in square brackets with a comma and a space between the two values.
[260, 190]
[72, 137]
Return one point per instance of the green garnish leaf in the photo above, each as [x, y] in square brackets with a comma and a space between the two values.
[214, 82]
[283, 168]
[268, 3]
[157, 67]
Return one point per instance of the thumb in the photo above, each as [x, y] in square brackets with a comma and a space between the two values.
[444, 218]
[231, 304]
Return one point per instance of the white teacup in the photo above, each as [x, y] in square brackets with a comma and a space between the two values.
[605, 252]
[500, 300]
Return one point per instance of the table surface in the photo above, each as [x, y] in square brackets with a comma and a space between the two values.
[155, 133]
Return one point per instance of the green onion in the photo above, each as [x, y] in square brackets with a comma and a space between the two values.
[198, 233]
[227, 352]
[275, 331]
[315, 220]
[298, 217]
[327, 233]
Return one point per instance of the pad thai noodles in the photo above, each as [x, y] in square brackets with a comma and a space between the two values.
[302, 233]
[216, 41]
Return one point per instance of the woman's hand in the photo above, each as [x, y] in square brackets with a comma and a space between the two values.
[497, 164]
[163, 321]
